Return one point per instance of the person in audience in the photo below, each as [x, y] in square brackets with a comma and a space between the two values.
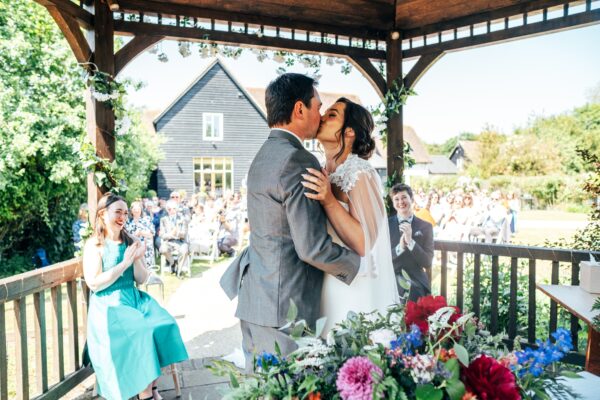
[201, 231]
[141, 227]
[411, 241]
[494, 220]
[181, 205]
[79, 225]
[130, 336]
[514, 206]
[228, 236]
[174, 237]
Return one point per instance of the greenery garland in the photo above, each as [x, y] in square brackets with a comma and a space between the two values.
[111, 93]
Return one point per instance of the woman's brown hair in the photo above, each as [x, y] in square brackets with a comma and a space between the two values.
[100, 227]
[358, 118]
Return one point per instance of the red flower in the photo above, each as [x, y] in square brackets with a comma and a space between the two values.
[417, 313]
[489, 380]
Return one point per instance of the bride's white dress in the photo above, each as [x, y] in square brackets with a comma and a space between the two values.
[374, 288]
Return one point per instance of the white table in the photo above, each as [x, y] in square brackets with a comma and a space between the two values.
[579, 303]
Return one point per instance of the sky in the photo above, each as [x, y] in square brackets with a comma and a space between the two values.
[502, 85]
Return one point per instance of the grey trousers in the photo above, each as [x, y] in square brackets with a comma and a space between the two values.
[257, 338]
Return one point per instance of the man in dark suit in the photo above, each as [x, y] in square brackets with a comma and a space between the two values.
[412, 242]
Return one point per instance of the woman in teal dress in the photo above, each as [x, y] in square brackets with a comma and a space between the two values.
[130, 336]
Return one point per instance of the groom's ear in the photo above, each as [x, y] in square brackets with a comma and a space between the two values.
[299, 109]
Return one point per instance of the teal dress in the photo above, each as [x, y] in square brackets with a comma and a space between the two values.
[130, 336]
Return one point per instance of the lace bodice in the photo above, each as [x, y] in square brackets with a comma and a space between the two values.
[346, 175]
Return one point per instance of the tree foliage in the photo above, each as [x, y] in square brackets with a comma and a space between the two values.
[42, 121]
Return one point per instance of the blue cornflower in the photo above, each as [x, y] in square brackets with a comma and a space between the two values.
[563, 340]
[265, 360]
[408, 342]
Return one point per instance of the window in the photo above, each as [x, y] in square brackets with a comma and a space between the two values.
[213, 174]
[212, 126]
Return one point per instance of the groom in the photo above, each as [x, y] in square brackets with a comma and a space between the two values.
[289, 246]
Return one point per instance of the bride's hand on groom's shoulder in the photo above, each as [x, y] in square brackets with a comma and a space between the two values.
[318, 181]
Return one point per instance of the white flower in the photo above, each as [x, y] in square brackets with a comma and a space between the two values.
[101, 97]
[439, 319]
[330, 338]
[422, 368]
[382, 336]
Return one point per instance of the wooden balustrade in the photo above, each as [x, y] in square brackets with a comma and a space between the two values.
[26, 293]
[539, 260]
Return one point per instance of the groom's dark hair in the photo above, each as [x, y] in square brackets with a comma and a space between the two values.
[283, 93]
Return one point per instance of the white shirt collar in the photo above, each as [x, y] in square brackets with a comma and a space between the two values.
[409, 219]
[293, 134]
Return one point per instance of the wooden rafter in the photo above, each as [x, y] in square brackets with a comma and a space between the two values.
[172, 10]
[237, 39]
[504, 35]
[68, 8]
[72, 32]
[418, 70]
[132, 49]
[369, 71]
[479, 17]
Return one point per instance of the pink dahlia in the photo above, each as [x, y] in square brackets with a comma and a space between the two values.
[354, 381]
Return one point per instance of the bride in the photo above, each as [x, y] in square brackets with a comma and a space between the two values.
[349, 190]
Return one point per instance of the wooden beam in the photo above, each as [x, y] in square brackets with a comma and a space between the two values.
[101, 119]
[240, 39]
[172, 10]
[366, 67]
[530, 30]
[521, 8]
[395, 129]
[418, 70]
[137, 45]
[84, 18]
[72, 33]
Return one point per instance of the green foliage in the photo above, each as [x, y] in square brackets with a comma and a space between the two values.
[42, 124]
[446, 148]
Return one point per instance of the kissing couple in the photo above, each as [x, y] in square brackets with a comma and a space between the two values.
[319, 235]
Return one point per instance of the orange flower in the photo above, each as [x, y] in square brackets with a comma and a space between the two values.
[444, 355]
[468, 396]
[314, 396]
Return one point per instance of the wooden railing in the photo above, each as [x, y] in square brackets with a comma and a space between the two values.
[35, 375]
[26, 293]
[540, 261]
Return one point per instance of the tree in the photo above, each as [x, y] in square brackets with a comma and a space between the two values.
[42, 120]
[446, 148]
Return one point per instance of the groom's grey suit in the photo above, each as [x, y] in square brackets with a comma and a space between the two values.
[289, 246]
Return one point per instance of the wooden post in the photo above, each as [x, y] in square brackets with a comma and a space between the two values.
[395, 140]
[101, 120]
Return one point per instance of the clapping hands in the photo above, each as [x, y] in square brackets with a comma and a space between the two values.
[405, 234]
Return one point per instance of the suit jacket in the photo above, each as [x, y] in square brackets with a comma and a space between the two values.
[289, 246]
[417, 261]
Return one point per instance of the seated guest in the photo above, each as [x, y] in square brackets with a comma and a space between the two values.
[412, 243]
[81, 223]
[141, 227]
[174, 236]
[201, 231]
[494, 221]
[229, 234]
[130, 336]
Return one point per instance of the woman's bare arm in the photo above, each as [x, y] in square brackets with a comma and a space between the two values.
[92, 266]
[344, 223]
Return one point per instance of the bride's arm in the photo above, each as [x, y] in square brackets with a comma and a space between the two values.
[345, 223]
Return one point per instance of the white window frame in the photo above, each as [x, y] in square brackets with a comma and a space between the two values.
[200, 160]
[205, 119]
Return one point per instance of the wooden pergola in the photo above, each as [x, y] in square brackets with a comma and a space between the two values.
[362, 31]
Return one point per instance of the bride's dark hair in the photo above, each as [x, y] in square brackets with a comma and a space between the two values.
[359, 119]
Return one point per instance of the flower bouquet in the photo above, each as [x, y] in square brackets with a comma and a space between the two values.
[425, 351]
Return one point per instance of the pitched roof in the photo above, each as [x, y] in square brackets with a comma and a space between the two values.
[215, 63]
[441, 165]
[419, 151]
[472, 149]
